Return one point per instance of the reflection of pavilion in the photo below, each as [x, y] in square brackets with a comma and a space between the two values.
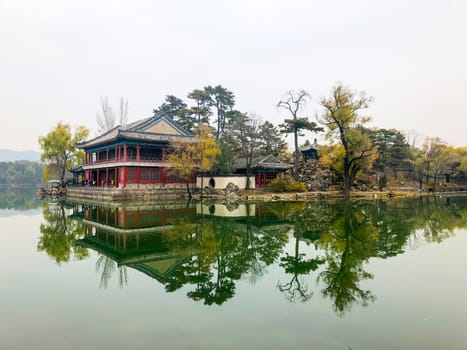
[145, 252]
[134, 236]
[141, 237]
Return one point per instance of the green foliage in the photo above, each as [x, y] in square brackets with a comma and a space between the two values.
[291, 126]
[237, 134]
[214, 101]
[224, 160]
[200, 110]
[271, 141]
[58, 234]
[393, 149]
[59, 148]
[178, 110]
[223, 101]
[21, 172]
[286, 184]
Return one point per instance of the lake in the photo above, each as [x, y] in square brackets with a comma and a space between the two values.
[185, 275]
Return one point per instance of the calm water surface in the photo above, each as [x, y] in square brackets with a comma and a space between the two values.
[321, 275]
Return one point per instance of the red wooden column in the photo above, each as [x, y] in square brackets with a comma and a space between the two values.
[138, 175]
[163, 155]
[97, 178]
[107, 176]
[138, 158]
[124, 175]
[124, 153]
[107, 155]
[163, 175]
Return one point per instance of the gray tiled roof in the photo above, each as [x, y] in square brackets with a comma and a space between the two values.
[136, 131]
[264, 162]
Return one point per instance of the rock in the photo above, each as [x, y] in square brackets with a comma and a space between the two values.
[315, 177]
[231, 187]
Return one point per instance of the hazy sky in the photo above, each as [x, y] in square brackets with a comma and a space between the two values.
[57, 58]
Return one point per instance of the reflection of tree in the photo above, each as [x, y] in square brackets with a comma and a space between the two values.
[440, 220]
[58, 234]
[297, 265]
[351, 233]
[352, 239]
[209, 255]
[19, 199]
[107, 267]
[222, 252]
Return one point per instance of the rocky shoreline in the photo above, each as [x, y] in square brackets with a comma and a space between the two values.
[313, 195]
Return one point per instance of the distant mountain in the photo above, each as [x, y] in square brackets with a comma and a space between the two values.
[8, 155]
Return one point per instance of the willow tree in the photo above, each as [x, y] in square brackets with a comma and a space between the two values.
[59, 148]
[345, 126]
[187, 158]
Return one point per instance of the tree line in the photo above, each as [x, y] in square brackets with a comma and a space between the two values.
[353, 150]
[20, 172]
[237, 133]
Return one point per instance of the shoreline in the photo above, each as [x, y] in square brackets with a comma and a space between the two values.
[109, 195]
[305, 196]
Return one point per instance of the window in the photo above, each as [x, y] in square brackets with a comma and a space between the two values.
[151, 174]
[131, 175]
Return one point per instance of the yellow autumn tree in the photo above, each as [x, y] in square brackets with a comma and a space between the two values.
[345, 127]
[59, 151]
[187, 158]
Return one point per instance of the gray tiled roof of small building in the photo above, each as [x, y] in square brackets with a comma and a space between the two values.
[240, 163]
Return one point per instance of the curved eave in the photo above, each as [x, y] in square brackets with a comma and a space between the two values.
[145, 137]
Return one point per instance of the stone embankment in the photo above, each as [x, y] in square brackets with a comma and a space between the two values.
[124, 194]
[304, 196]
[233, 194]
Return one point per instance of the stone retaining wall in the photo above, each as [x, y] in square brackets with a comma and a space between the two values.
[123, 194]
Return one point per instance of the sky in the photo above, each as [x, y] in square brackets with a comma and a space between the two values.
[58, 58]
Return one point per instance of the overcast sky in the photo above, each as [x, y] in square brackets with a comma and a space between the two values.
[57, 58]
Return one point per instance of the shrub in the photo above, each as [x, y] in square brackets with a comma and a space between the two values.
[296, 187]
[286, 184]
[277, 185]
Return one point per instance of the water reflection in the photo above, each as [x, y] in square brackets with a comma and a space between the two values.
[59, 234]
[18, 199]
[206, 249]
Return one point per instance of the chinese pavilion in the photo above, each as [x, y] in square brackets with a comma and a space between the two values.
[264, 168]
[134, 154]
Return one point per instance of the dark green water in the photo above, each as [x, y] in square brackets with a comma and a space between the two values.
[320, 275]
